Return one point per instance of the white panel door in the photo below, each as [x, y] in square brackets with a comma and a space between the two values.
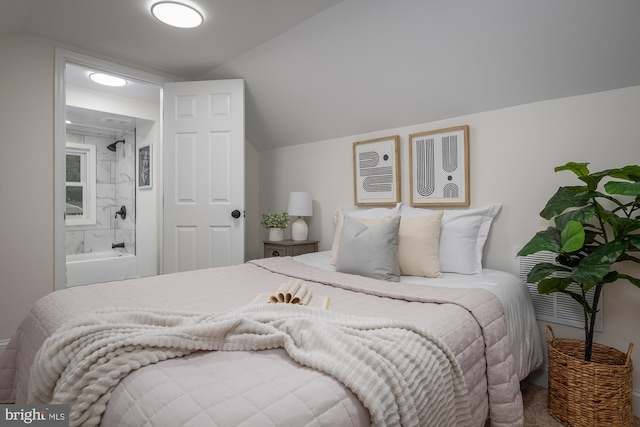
[203, 174]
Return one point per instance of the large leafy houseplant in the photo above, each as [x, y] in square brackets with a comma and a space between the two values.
[592, 231]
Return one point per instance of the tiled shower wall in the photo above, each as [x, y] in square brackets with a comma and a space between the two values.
[115, 187]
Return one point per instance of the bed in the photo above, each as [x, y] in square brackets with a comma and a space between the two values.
[485, 323]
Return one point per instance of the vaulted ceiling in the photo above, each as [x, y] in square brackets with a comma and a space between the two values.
[320, 69]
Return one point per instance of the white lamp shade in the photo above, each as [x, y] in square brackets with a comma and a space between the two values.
[300, 204]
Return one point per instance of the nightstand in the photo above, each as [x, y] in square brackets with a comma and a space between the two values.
[289, 247]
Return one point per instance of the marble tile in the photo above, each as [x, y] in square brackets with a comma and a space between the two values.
[113, 172]
[121, 150]
[103, 217]
[125, 170]
[125, 193]
[68, 228]
[129, 148]
[74, 242]
[98, 240]
[103, 173]
[103, 154]
[100, 141]
[128, 238]
[105, 194]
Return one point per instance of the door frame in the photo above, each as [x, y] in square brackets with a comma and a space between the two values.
[62, 57]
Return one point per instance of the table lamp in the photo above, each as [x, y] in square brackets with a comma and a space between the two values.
[300, 204]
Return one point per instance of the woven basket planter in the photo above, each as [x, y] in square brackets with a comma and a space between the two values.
[595, 393]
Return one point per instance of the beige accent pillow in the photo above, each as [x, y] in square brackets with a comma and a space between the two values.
[463, 235]
[336, 240]
[418, 249]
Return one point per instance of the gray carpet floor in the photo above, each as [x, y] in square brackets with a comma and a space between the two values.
[535, 408]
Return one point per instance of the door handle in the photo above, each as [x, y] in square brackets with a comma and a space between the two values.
[235, 214]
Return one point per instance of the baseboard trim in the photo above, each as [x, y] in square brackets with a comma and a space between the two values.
[541, 377]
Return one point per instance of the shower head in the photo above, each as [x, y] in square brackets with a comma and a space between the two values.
[112, 147]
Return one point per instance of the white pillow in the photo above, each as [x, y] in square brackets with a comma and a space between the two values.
[371, 213]
[463, 234]
[368, 213]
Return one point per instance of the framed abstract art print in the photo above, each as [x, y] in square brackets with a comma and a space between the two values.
[376, 171]
[439, 167]
[145, 171]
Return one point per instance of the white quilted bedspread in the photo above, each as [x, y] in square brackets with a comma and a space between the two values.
[400, 373]
[267, 388]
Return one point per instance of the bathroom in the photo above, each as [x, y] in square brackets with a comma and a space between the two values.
[112, 235]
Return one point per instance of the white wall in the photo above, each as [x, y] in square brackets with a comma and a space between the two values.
[149, 204]
[386, 64]
[26, 176]
[252, 228]
[513, 152]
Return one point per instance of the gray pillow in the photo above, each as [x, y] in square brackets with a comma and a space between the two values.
[370, 251]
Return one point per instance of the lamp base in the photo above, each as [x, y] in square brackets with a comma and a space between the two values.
[299, 230]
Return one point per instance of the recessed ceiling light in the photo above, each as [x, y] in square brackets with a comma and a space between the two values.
[177, 14]
[107, 79]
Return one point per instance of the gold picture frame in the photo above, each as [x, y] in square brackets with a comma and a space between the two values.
[439, 167]
[376, 171]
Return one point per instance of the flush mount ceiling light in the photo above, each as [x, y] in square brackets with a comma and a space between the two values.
[177, 14]
[107, 79]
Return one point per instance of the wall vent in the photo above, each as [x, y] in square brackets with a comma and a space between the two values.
[116, 121]
[556, 308]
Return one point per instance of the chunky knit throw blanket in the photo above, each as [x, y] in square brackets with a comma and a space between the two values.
[403, 375]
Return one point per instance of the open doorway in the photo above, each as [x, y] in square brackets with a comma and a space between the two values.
[125, 119]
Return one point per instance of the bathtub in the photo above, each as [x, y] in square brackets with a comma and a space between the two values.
[96, 267]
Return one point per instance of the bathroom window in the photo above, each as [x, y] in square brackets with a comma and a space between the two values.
[81, 184]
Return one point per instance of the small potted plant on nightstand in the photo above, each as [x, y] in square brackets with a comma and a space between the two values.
[592, 231]
[275, 223]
